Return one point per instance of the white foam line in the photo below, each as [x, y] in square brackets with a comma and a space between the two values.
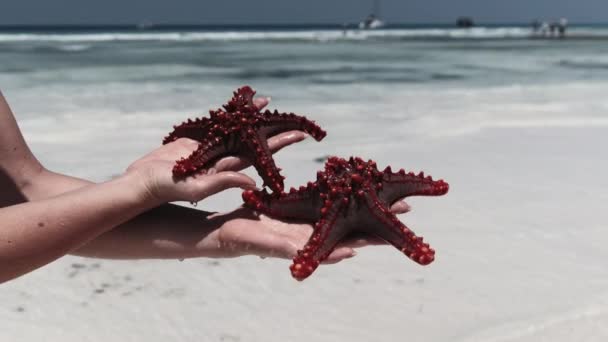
[314, 35]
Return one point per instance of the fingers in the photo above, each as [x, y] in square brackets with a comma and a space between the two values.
[359, 241]
[269, 242]
[261, 102]
[230, 164]
[180, 148]
[400, 207]
[275, 144]
[262, 244]
[214, 183]
[289, 251]
[287, 246]
[339, 254]
[279, 141]
[186, 143]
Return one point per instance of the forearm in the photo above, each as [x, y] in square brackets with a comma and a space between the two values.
[166, 232]
[35, 233]
[17, 162]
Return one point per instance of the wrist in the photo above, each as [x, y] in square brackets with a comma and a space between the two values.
[138, 187]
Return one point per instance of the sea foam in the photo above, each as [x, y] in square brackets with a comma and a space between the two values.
[300, 35]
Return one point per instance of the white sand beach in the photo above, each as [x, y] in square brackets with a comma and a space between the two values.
[520, 247]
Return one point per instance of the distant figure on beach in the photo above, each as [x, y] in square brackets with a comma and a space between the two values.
[544, 28]
[553, 28]
[557, 28]
[536, 24]
[562, 26]
[45, 215]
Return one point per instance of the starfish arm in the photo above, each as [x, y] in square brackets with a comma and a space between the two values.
[242, 101]
[208, 149]
[399, 185]
[192, 129]
[387, 226]
[328, 231]
[302, 204]
[276, 123]
[261, 158]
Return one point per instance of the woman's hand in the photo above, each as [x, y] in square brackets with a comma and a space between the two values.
[155, 169]
[244, 232]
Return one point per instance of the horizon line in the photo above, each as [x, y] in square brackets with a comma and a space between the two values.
[149, 25]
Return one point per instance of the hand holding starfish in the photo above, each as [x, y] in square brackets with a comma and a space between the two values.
[239, 232]
[155, 168]
[245, 232]
[239, 129]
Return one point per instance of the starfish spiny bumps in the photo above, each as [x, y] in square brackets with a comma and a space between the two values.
[348, 196]
[239, 129]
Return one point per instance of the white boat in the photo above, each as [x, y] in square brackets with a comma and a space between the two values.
[372, 21]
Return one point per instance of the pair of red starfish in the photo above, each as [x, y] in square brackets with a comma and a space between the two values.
[348, 196]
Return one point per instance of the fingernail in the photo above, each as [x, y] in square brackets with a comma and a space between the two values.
[297, 135]
[251, 187]
[352, 253]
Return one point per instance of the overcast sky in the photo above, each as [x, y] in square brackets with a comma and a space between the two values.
[289, 11]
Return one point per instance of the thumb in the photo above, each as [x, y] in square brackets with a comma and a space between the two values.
[339, 254]
[261, 102]
[212, 184]
[400, 207]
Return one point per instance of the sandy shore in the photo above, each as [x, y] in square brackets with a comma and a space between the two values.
[521, 250]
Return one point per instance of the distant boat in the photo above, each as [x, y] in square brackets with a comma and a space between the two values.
[465, 22]
[144, 26]
[373, 21]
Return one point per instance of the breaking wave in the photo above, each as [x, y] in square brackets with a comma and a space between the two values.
[301, 35]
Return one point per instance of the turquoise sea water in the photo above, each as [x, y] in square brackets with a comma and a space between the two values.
[323, 56]
[409, 81]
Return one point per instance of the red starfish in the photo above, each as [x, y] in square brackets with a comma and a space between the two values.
[240, 129]
[350, 195]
